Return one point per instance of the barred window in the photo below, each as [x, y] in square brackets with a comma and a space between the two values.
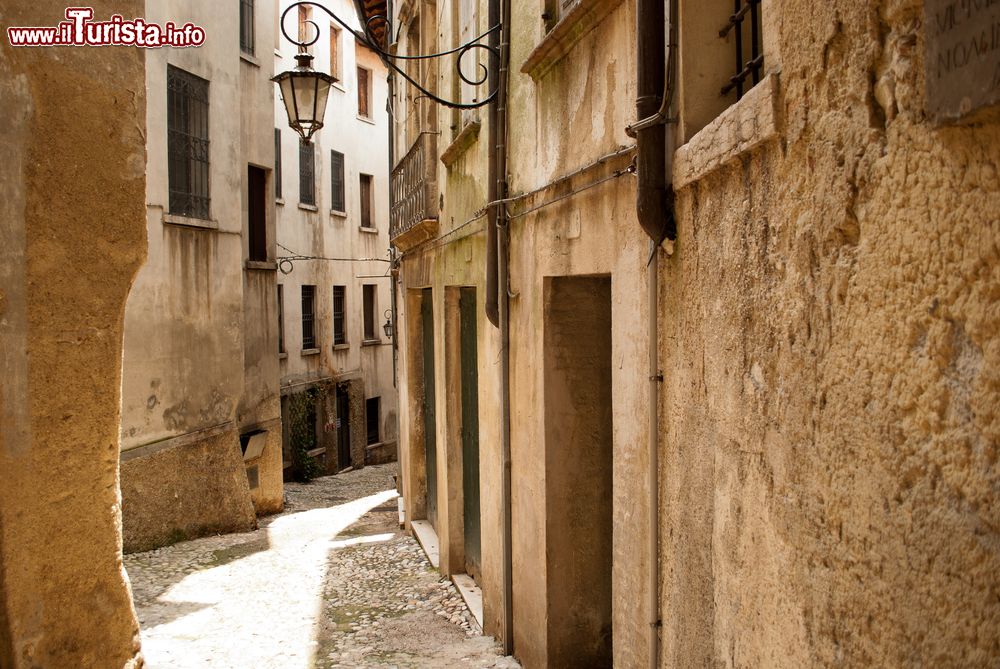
[368, 293]
[339, 304]
[337, 181]
[187, 143]
[277, 163]
[748, 65]
[366, 201]
[281, 318]
[307, 172]
[246, 27]
[308, 317]
[373, 410]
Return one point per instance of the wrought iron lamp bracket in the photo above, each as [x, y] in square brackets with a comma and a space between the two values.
[369, 40]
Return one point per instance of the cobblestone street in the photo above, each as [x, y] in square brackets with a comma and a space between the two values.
[330, 582]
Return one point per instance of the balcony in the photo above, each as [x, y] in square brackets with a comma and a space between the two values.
[413, 213]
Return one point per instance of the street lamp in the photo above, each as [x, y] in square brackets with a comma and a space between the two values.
[305, 91]
[387, 326]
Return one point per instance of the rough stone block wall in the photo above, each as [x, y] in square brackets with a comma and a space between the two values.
[72, 236]
[162, 503]
[831, 348]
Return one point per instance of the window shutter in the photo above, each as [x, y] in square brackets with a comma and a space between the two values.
[337, 181]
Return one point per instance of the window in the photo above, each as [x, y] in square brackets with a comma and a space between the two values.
[246, 27]
[277, 163]
[364, 93]
[256, 218]
[369, 299]
[339, 303]
[749, 66]
[337, 181]
[187, 143]
[372, 418]
[281, 318]
[307, 172]
[308, 317]
[335, 51]
[305, 13]
[366, 201]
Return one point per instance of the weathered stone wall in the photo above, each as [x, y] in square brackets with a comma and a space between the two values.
[186, 491]
[830, 345]
[72, 236]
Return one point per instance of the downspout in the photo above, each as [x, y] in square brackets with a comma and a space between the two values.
[492, 188]
[501, 294]
[654, 133]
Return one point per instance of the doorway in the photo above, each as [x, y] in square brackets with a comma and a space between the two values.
[343, 401]
[470, 430]
[430, 438]
[578, 470]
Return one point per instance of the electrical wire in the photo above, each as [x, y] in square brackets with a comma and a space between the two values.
[288, 260]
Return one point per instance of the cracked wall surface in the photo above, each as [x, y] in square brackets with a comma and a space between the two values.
[71, 240]
[830, 341]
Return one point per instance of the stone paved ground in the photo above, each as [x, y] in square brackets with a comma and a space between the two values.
[331, 582]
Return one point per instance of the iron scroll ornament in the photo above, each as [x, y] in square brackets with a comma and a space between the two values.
[369, 40]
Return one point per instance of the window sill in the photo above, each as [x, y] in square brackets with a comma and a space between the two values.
[371, 342]
[339, 86]
[341, 347]
[190, 222]
[309, 351]
[370, 231]
[308, 207]
[338, 214]
[742, 127]
[574, 25]
[249, 59]
[282, 356]
[279, 200]
[466, 138]
[268, 265]
[366, 119]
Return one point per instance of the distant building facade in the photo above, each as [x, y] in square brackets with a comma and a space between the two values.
[336, 361]
[201, 427]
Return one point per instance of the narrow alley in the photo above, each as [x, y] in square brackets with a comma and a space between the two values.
[330, 582]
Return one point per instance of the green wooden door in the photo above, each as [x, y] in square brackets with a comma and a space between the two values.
[430, 445]
[470, 431]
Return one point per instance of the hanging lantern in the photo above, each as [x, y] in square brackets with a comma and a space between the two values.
[304, 92]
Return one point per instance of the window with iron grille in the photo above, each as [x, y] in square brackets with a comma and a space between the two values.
[337, 199]
[281, 318]
[369, 305]
[746, 25]
[187, 143]
[364, 93]
[366, 201]
[339, 307]
[277, 163]
[246, 27]
[373, 407]
[308, 317]
[307, 172]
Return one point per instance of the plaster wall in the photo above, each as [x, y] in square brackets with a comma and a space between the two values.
[320, 231]
[200, 330]
[71, 240]
[563, 121]
[830, 345]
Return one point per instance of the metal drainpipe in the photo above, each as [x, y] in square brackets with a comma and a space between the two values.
[503, 297]
[492, 189]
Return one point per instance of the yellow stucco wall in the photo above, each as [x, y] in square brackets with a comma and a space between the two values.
[72, 200]
[830, 342]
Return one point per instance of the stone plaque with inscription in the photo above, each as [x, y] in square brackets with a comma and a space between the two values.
[962, 56]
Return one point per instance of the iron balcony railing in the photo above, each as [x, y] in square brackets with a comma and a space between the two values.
[413, 186]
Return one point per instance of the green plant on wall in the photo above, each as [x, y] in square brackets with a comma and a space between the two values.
[302, 432]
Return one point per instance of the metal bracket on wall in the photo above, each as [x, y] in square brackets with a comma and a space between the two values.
[369, 40]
